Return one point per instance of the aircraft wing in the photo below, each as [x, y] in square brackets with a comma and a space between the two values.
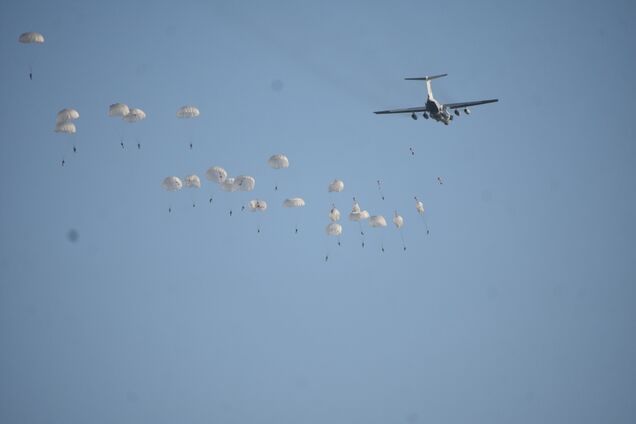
[405, 110]
[467, 104]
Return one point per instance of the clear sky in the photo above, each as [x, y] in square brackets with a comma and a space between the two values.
[518, 307]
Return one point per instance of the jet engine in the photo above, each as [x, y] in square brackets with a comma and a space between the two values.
[456, 112]
[425, 115]
[414, 116]
[467, 111]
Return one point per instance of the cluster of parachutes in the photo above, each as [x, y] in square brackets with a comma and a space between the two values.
[65, 124]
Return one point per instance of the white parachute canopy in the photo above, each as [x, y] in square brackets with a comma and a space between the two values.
[244, 183]
[419, 206]
[134, 115]
[336, 186]
[188, 112]
[398, 220]
[216, 174]
[31, 38]
[377, 221]
[118, 110]
[66, 115]
[192, 181]
[333, 229]
[172, 183]
[257, 205]
[294, 202]
[334, 214]
[357, 214]
[278, 161]
[228, 185]
[65, 127]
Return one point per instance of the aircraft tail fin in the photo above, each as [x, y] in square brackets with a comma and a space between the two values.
[429, 90]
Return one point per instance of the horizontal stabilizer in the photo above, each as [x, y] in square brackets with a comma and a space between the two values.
[425, 78]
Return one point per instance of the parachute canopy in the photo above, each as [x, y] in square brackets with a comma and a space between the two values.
[216, 174]
[228, 185]
[172, 184]
[357, 214]
[31, 37]
[118, 110]
[134, 115]
[67, 115]
[419, 206]
[188, 112]
[377, 221]
[398, 220]
[278, 161]
[294, 202]
[192, 181]
[336, 186]
[257, 205]
[334, 214]
[333, 229]
[244, 183]
[65, 127]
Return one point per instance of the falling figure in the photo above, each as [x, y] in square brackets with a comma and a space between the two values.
[412, 151]
[169, 210]
[190, 146]
[138, 146]
[296, 231]
[63, 162]
[230, 212]
[210, 199]
[439, 180]
[194, 205]
[275, 188]
[31, 76]
[326, 258]
[121, 143]
[74, 149]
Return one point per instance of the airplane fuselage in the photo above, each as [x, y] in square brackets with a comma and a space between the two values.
[437, 111]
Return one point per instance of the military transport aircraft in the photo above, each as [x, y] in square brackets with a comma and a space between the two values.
[434, 109]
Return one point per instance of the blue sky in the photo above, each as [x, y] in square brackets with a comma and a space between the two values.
[518, 307]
